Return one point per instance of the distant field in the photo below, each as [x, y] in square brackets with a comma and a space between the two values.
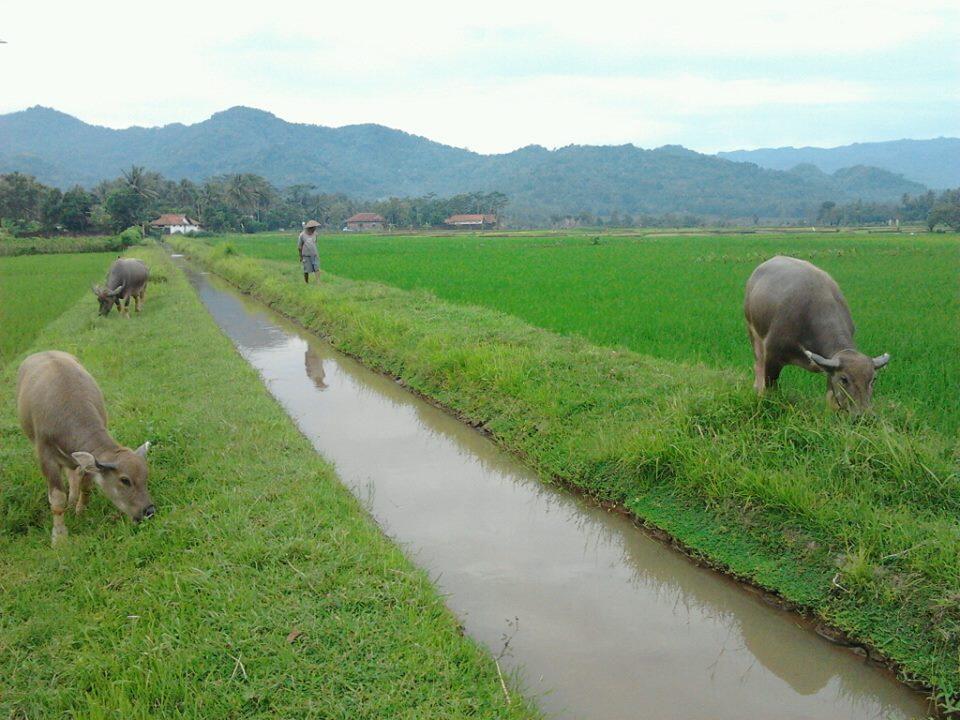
[56, 245]
[680, 297]
[24, 311]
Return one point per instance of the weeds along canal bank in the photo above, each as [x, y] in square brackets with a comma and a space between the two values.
[855, 523]
[260, 589]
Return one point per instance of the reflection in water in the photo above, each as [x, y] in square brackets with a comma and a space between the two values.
[612, 624]
[313, 366]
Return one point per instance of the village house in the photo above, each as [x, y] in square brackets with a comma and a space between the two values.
[365, 221]
[171, 223]
[474, 222]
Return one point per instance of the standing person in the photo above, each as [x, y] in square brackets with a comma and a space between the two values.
[307, 249]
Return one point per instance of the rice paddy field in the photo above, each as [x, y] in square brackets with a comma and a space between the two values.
[34, 289]
[680, 297]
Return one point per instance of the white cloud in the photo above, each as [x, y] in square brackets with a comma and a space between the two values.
[507, 74]
[755, 27]
[560, 110]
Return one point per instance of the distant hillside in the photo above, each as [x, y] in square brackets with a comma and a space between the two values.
[935, 163]
[372, 161]
[861, 181]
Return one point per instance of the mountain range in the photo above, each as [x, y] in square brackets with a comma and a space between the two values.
[935, 163]
[373, 161]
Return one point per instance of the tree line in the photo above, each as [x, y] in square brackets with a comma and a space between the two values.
[245, 202]
[932, 209]
[242, 202]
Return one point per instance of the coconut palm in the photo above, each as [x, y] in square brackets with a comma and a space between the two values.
[241, 191]
[206, 197]
[140, 182]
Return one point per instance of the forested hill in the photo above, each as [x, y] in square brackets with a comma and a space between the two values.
[935, 163]
[372, 161]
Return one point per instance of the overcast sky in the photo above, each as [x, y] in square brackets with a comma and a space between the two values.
[501, 74]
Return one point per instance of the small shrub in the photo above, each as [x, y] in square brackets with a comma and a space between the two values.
[24, 228]
[131, 236]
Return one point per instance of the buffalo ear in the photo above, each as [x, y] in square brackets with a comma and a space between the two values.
[881, 361]
[85, 461]
[825, 363]
[117, 291]
[143, 449]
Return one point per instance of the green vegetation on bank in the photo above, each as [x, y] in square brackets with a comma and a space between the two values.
[196, 612]
[856, 522]
[936, 210]
[681, 298]
[10, 246]
[35, 290]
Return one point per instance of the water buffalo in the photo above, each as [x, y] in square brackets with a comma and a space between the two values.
[62, 413]
[796, 315]
[127, 278]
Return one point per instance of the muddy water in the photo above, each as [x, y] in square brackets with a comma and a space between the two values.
[605, 622]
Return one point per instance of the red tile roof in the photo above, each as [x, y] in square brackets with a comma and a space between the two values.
[173, 219]
[366, 217]
[470, 219]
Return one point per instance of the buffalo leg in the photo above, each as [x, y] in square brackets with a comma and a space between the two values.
[80, 484]
[84, 499]
[56, 496]
[771, 373]
[126, 306]
[759, 376]
[772, 364]
[73, 482]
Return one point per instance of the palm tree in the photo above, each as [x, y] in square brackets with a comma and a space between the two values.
[207, 196]
[263, 194]
[241, 192]
[138, 181]
[186, 193]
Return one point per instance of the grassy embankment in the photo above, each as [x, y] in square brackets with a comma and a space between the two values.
[680, 298]
[188, 615]
[58, 245]
[34, 290]
[857, 523]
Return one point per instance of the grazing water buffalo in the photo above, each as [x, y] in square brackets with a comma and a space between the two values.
[796, 315]
[127, 278]
[62, 412]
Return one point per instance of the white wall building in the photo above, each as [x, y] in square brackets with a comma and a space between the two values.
[171, 223]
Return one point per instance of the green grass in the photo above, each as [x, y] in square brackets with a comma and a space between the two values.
[855, 522]
[36, 289]
[680, 298]
[187, 615]
[56, 245]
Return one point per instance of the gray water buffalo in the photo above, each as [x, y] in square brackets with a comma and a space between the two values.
[127, 278]
[796, 315]
[61, 411]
